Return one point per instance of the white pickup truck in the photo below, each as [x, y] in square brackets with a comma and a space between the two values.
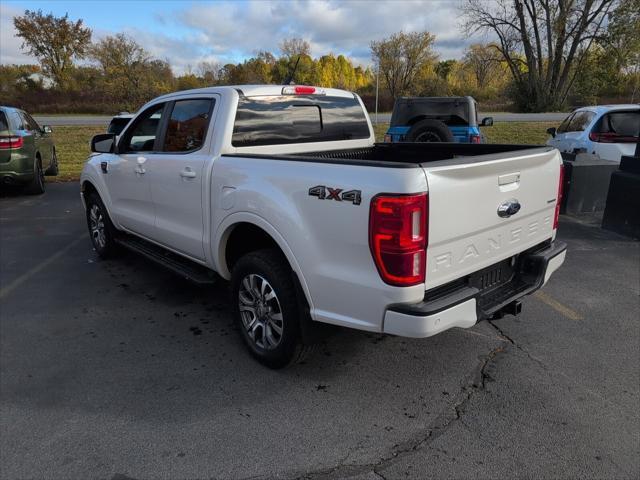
[283, 192]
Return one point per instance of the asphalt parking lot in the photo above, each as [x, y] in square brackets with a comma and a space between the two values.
[120, 370]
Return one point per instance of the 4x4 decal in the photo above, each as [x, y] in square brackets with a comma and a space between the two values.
[329, 193]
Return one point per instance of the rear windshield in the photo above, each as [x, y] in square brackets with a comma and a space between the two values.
[626, 124]
[452, 111]
[4, 125]
[282, 120]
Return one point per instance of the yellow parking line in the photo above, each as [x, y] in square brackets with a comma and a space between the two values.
[4, 291]
[557, 306]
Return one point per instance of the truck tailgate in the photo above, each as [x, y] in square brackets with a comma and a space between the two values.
[465, 231]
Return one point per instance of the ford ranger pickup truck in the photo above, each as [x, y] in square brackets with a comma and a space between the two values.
[283, 192]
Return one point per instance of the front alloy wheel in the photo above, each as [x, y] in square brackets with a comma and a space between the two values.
[96, 227]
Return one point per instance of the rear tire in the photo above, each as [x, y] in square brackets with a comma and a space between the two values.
[266, 309]
[101, 230]
[430, 131]
[36, 185]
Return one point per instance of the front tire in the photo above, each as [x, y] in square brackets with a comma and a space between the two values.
[36, 186]
[266, 309]
[53, 169]
[101, 230]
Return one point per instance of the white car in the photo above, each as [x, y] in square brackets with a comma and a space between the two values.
[283, 192]
[609, 131]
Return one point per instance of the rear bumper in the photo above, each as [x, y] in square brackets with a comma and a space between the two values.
[463, 303]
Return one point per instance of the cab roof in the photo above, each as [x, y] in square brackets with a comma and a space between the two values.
[257, 90]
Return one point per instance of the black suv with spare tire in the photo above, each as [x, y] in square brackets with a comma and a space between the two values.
[436, 119]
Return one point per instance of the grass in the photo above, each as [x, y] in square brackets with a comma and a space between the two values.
[526, 133]
[72, 147]
[72, 142]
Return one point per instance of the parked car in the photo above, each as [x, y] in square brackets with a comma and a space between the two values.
[283, 192]
[609, 131]
[27, 151]
[435, 119]
[118, 122]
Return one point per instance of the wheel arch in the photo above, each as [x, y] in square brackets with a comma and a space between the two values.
[243, 232]
[87, 186]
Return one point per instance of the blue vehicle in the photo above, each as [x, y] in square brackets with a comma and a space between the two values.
[436, 119]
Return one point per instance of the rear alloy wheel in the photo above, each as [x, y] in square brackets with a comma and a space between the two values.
[36, 186]
[260, 312]
[266, 308]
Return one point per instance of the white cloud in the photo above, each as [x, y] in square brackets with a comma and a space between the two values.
[330, 26]
[10, 51]
[230, 31]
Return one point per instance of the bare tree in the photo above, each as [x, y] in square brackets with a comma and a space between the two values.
[291, 47]
[401, 57]
[54, 41]
[209, 71]
[542, 41]
[483, 60]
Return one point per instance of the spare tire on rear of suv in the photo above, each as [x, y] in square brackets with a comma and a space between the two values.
[430, 131]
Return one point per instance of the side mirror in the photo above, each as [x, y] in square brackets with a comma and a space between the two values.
[487, 122]
[103, 143]
[552, 131]
[46, 129]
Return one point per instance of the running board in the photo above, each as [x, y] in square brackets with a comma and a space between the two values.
[177, 264]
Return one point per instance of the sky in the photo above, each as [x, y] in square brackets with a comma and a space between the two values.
[188, 32]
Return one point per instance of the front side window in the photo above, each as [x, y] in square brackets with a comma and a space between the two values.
[141, 137]
[565, 124]
[187, 126]
[580, 121]
[32, 124]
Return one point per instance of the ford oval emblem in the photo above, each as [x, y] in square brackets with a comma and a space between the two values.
[508, 208]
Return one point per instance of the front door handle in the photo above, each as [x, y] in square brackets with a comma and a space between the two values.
[188, 173]
[140, 165]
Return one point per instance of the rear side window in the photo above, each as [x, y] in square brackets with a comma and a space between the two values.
[17, 121]
[580, 121]
[187, 125]
[279, 120]
[4, 124]
[625, 124]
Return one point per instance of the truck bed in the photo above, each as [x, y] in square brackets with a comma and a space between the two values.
[409, 154]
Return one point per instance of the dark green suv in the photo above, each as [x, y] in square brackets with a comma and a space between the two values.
[27, 152]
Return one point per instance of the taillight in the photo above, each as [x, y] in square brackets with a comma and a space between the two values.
[398, 237]
[475, 138]
[11, 142]
[611, 137]
[559, 198]
[302, 90]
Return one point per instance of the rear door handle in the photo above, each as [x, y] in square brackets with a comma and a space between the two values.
[188, 173]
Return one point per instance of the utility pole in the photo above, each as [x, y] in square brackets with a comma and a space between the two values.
[377, 85]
